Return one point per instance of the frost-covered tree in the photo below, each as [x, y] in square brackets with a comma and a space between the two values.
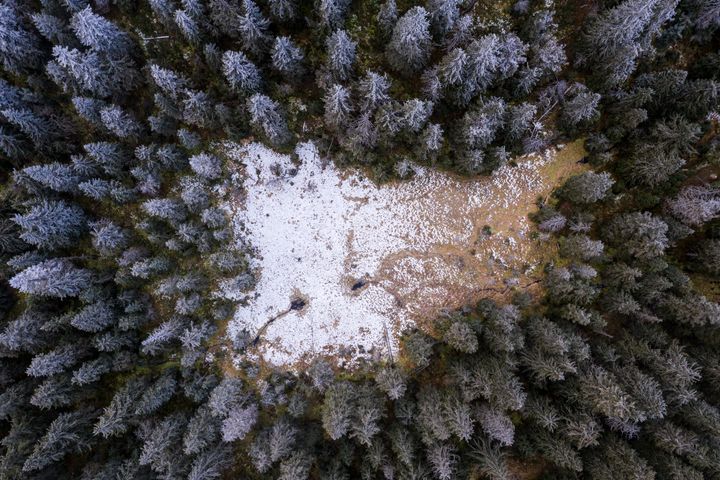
[92, 370]
[695, 205]
[168, 81]
[57, 176]
[581, 108]
[188, 26]
[337, 409]
[461, 336]
[168, 209]
[587, 187]
[373, 91]
[98, 33]
[68, 433]
[115, 418]
[409, 48]
[332, 12]
[211, 463]
[392, 381]
[386, 18]
[253, 26]
[640, 234]
[287, 57]
[53, 278]
[337, 106]
[340, 54]
[94, 317]
[265, 114]
[19, 48]
[55, 361]
[120, 122]
[206, 165]
[240, 72]
[415, 114]
[157, 394]
[443, 16]
[617, 37]
[283, 10]
[239, 422]
[35, 127]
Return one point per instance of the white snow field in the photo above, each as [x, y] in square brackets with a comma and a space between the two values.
[368, 260]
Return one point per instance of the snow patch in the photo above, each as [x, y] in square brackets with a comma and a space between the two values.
[417, 244]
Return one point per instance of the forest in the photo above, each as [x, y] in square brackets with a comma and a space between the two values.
[116, 251]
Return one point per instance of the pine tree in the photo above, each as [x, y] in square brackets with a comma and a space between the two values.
[265, 114]
[206, 165]
[202, 431]
[92, 370]
[94, 317]
[615, 39]
[695, 205]
[19, 49]
[211, 463]
[57, 176]
[115, 419]
[443, 459]
[337, 106]
[120, 122]
[639, 233]
[340, 54]
[240, 72]
[392, 381]
[157, 394]
[587, 187]
[443, 16]
[415, 114]
[491, 460]
[100, 34]
[109, 238]
[53, 278]
[616, 459]
[337, 409]
[239, 422]
[461, 336]
[253, 28]
[386, 18]
[69, 432]
[332, 12]
[409, 48]
[188, 26]
[283, 10]
[287, 57]
[168, 81]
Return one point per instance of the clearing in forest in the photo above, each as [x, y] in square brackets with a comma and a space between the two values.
[362, 261]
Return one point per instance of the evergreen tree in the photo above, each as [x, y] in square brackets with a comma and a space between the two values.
[287, 57]
[265, 115]
[409, 48]
[337, 409]
[337, 106]
[69, 432]
[340, 54]
[53, 278]
[253, 26]
[19, 49]
[587, 187]
[332, 12]
[100, 34]
[240, 72]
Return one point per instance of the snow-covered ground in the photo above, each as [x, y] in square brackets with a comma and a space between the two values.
[416, 245]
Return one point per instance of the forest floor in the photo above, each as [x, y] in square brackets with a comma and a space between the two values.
[362, 261]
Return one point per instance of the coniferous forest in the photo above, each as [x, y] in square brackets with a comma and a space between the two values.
[113, 244]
